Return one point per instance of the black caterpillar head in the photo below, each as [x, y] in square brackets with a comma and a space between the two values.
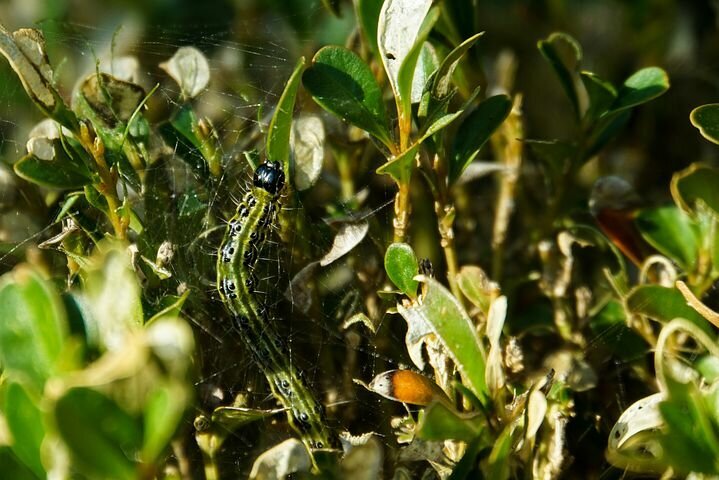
[270, 177]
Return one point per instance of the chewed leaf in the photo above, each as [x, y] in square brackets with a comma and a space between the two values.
[308, 149]
[447, 319]
[397, 32]
[634, 439]
[349, 236]
[282, 460]
[189, 68]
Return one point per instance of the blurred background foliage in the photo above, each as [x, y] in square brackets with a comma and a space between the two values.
[252, 47]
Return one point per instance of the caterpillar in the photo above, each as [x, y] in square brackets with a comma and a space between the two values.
[239, 252]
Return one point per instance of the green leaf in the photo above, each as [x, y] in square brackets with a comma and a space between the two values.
[101, 437]
[602, 94]
[368, 18]
[406, 72]
[33, 327]
[498, 460]
[672, 233]
[400, 167]
[476, 130]
[49, 173]
[13, 468]
[24, 421]
[446, 317]
[440, 423]
[555, 155]
[706, 119]
[443, 78]
[402, 266]
[475, 285]
[696, 185]
[162, 415]
[564, 55]
[663, 304]
[644, 85]
[278, 135]
[608, 128]
[206, 142]
[343, 84]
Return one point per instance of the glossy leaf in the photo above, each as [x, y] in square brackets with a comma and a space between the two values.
[476, 130]
[25, 423]
[644, 85]
[663, 304]
[343, 84]
[439, 423]
[564, 55]
[278, 134]
[706, 119]
[402, 266]
[101, 437]
[33, 327]
[445, 317]
[672, 233]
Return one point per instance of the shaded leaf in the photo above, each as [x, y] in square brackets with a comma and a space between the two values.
[564, 55]
[443, 78]
[706, 119]
[602, 94]
[400, 166]
[476, 130]
[695, 185]
[398, 31]
[368, 18]
[101, 436]
[348, 237]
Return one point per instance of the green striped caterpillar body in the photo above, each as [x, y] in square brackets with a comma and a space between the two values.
[239, 252]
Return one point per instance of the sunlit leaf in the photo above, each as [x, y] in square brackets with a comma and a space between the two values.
[162, 414]
[281, 460]
[450, 323]
[349, 235]
[402, 266]
[634, 441]
[440, 422]
[642, 86]
[672, 233]
[343, 84]
[278, 133]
